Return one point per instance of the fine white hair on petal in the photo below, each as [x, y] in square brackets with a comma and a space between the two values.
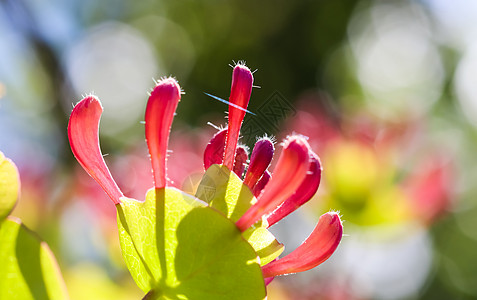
[266, 136]
[217, 127]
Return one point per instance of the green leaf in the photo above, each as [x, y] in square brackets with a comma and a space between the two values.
[9, 186]
[264, 243]
[28, 267]
[225, 191]
[176, 247]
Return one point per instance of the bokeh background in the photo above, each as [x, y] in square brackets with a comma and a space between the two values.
[384, 89]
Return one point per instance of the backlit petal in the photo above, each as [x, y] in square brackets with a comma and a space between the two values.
[83, 134]
[242, 81]
[305, 192]
[289, 173]
[317, 248]
[262, 155]
[260, 185]
[214, 151]
[160, 110]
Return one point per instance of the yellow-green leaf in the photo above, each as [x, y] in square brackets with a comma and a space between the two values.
[9, 186]
[264, 243]
[28, 269]
[176, 247]
[225, 191]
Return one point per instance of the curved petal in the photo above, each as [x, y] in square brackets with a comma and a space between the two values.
[83, 134]
[160, 110]
[242, 81]
[305, 191]
[317, 248]
[289, 173]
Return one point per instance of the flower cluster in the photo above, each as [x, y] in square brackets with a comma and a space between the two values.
[294, 181]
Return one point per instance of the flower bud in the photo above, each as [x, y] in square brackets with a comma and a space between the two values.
[241, 157]
[214, 151]
[262, 155]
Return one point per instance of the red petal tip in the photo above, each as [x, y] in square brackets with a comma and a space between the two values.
[242, 81]
[262, 155]
[160, 110]
[316, 249]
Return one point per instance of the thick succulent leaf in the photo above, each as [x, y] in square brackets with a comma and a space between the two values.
[225, 191]
[28, 268]
[9, 186]
[176, 247]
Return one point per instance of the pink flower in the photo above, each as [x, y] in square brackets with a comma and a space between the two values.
[295, 179]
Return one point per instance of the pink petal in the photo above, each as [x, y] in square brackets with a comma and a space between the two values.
[83, 134]
[242, 81]
[260, 185]
[262, 155]
[214, 151]
[305, 191]
[241, 157]
[160, 110]
[317, 248]
[289, 173]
